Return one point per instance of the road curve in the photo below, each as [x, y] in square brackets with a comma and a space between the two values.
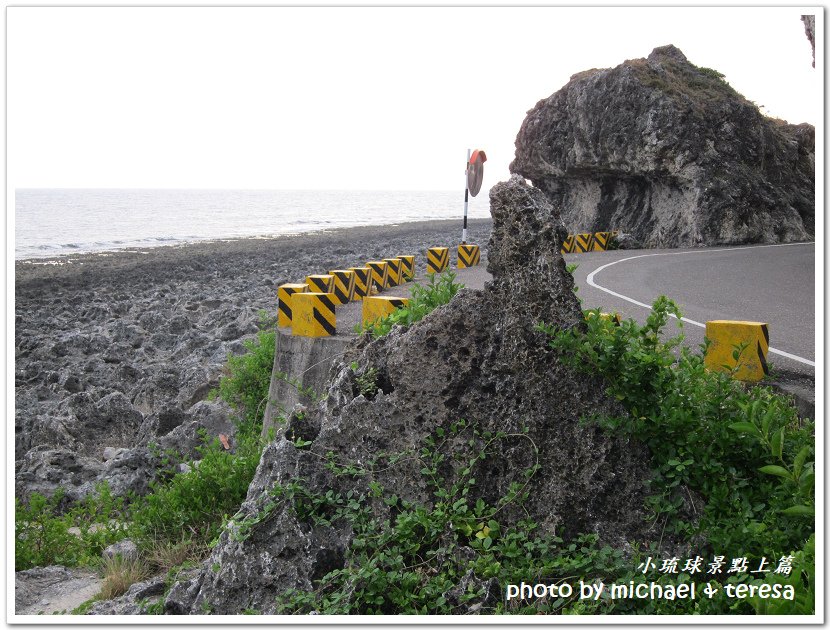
[768, 283]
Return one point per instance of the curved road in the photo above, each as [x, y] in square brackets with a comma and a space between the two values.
[768, 283]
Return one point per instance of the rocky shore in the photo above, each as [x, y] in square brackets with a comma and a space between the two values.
[119, 350]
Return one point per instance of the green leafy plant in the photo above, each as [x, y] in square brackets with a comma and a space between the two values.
[45, 535]
[440, 289]
[708, 435]
[412, 563]
[367, 380]
[247, 378]
[194, 504]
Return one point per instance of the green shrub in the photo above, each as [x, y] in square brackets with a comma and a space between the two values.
[440, 289]
[44, 535]
[248, 378]
[193, 505]
[742, 449]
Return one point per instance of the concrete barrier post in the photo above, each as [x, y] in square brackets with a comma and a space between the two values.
[284, 293]
[407, 268]
[362, 278]
[583, 243]
[568, 244]
[601, 241]
[320, 283]
[377, 306]
[344, 283]
[313, 315]
[437, 259]
[725, 336]
[393, 273]
[468, 256]
[380, 270]
[611, 317]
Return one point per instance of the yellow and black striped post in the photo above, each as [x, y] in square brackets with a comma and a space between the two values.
[313, 315]
[568, 244]
[380, 272]
[601, 241]
[583, 243]
[284, 293]
[377, 306]
[437, 259]
[343, 285]
[611, 317]
[320, 283]
[393, 272]
[468, 256]
[362, 277]
[724, 336]
[407, 268]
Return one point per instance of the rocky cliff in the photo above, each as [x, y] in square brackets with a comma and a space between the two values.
[810, 31]
[479, 359]
[670, 153]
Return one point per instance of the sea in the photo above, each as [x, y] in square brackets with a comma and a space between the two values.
[56, 222]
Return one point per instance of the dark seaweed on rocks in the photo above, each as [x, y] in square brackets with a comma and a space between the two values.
[479, 358]
[671, 154]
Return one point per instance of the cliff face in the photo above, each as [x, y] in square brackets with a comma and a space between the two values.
[670, 153]
[810, 31]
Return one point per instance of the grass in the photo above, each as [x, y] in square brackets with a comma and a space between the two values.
[120, 573]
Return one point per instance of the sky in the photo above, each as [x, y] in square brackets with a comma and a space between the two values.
[341, 97]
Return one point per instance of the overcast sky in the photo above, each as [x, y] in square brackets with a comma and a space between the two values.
[364, 98]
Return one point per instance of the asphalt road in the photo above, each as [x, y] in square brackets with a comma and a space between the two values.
[774, 284]
[771, 284]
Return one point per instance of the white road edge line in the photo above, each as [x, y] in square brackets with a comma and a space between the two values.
[591, 282]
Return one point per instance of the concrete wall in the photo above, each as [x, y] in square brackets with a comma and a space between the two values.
[300, 363]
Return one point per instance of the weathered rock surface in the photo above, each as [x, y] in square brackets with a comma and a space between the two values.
[810, 31]
[126, 548]
[671, 154]
[119, 350]
[478, 358]
[134, 602]
[47, 590]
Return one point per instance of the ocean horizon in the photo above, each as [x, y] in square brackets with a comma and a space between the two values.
[61, 221]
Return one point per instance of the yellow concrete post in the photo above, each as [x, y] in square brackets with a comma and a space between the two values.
[377, 306]
[380, 270]
[725, 336]
[611, 317]
[393, 272]
[407, 268]
[320, 283]
[583, 243]
[437, 259]
[362, 277]
[344, 283]
[468, 256]
[601, 241]
[284, 293]
[313, 315]
[568, 244]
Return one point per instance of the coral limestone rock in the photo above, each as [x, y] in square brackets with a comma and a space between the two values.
[671, 154]
[480, 359]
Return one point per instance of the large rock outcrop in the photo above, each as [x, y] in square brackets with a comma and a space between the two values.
[810, 31]
[480, 359]
[670, 153]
